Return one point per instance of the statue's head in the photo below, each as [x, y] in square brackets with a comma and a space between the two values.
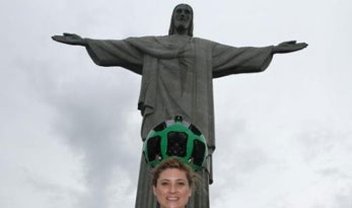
[182, 20]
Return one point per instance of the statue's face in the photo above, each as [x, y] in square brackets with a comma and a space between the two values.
[182, 16]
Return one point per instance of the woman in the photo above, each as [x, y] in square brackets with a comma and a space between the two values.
[172, 183]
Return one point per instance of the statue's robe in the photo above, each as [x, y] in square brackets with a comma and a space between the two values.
[177, 79]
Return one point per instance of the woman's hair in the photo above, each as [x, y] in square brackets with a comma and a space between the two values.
[172, 26]
[175, 163]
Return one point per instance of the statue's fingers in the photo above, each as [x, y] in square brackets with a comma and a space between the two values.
[304, 44]
[68, 34]
[58, 38]
[291, 42]
[301, 45]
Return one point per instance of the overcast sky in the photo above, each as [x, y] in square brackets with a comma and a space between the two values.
[69, 130]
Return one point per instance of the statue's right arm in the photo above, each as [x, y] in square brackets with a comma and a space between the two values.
[107, 52]
[70, 39]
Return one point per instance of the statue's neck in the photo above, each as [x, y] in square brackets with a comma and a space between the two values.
[181, 31]
[180, 38]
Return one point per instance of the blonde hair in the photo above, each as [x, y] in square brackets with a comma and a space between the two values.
[175, 163]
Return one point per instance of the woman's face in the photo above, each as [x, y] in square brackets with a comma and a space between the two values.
[172, 189]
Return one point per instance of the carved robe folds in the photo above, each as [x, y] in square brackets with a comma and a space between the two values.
[177, 79]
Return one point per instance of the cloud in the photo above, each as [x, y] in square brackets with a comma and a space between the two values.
[91, 117]
[344, 198]
[59, 195]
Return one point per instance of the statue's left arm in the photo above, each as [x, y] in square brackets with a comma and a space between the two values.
[228, 60]
[231, 60]
[288, 47]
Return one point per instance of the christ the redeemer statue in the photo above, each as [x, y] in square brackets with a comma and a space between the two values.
[177, 79]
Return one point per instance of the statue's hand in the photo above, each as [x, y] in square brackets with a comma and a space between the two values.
[71, 39]
[289, 46]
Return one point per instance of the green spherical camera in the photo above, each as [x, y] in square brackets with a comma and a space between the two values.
[175, 138]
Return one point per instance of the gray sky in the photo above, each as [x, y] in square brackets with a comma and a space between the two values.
[69, 133]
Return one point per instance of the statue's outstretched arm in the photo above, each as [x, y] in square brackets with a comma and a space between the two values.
[288, 47]
[70, 39]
